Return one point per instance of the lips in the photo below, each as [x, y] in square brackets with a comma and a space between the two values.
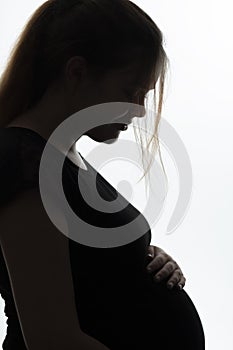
[125, 122]
[120, 126]
[123, 127]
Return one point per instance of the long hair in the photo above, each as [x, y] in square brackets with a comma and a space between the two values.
[108, 34]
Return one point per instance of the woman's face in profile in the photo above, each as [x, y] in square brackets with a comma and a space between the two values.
[113, 87]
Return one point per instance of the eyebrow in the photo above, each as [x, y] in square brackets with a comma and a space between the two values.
[134, 88]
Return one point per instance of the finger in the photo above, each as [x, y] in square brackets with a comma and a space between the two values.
[181, 283]
[166, 271]
[159, 261]
[151, 251]
[175, 279]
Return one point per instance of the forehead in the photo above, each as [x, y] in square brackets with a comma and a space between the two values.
[132, 77]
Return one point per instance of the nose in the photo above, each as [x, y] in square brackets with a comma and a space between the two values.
[139, 110]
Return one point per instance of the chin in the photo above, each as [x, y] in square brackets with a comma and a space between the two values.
[108, 135]
[111, 141]
[108, 141]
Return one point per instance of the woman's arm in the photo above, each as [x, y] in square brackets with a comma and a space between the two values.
[37, 258]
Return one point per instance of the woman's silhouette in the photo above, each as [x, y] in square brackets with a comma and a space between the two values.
[59, 293]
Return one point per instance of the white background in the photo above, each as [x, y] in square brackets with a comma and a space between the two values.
[198, 41]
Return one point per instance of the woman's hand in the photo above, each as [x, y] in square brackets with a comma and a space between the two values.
[162, 265]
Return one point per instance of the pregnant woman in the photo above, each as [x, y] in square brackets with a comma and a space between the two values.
[59, 293]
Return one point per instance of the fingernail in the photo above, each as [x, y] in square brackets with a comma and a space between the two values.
[157, 278]
[170, 285]
[180, 286]
[149, 269]
[149, 257]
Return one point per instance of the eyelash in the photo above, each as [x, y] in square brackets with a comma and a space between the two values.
[134, 94]
[131, 96]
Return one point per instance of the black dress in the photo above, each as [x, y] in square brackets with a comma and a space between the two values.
[117, 301]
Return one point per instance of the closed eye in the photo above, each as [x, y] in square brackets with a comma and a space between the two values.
[134, 94]
[129, 95]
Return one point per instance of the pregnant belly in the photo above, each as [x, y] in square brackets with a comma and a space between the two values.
[146, 316]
